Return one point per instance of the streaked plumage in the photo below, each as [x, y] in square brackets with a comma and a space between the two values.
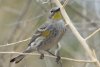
[45, 37]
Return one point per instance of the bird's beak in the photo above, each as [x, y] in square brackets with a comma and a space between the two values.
[51, 15]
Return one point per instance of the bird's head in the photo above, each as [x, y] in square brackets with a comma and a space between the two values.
[55, 13]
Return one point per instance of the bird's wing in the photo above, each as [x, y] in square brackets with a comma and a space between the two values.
[41, 31]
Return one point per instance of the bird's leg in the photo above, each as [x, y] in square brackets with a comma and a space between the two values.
[50, 53]
[42, 56]
[58, 59]
[57, 53]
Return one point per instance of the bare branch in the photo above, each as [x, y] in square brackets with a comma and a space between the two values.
[65, 3]
[77, 34]
[92, 34]
[15, 42]
[64, 58]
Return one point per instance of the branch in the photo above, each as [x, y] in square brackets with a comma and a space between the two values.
[76, 33]
[65, 3]
[92, 34]
[63, 58]
[16, 42]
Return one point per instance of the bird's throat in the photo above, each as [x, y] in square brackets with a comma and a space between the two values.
[57, 16]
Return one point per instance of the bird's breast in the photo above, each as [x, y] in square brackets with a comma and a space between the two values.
[56, 32]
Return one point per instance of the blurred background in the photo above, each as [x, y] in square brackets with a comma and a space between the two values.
[19, 19]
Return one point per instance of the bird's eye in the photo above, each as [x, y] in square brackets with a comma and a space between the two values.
[51, 11]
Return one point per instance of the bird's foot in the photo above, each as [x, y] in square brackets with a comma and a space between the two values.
[58, 59]
[42, 56]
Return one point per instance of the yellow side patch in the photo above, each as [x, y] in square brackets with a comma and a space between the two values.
[45, 33]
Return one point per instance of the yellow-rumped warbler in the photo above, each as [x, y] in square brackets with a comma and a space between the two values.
[46, 36]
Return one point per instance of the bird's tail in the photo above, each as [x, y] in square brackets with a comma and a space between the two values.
[17, 59]
[20, 57]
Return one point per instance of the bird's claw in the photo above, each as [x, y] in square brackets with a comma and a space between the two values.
[58, 59]
[42, 56]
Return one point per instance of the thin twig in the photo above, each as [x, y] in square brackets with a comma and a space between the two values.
[94, 53]
[76, 33]
[63, 58]
[92, 34]
[65, 3]
[15, 42]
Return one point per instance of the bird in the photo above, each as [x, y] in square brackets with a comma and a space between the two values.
[46, 36]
